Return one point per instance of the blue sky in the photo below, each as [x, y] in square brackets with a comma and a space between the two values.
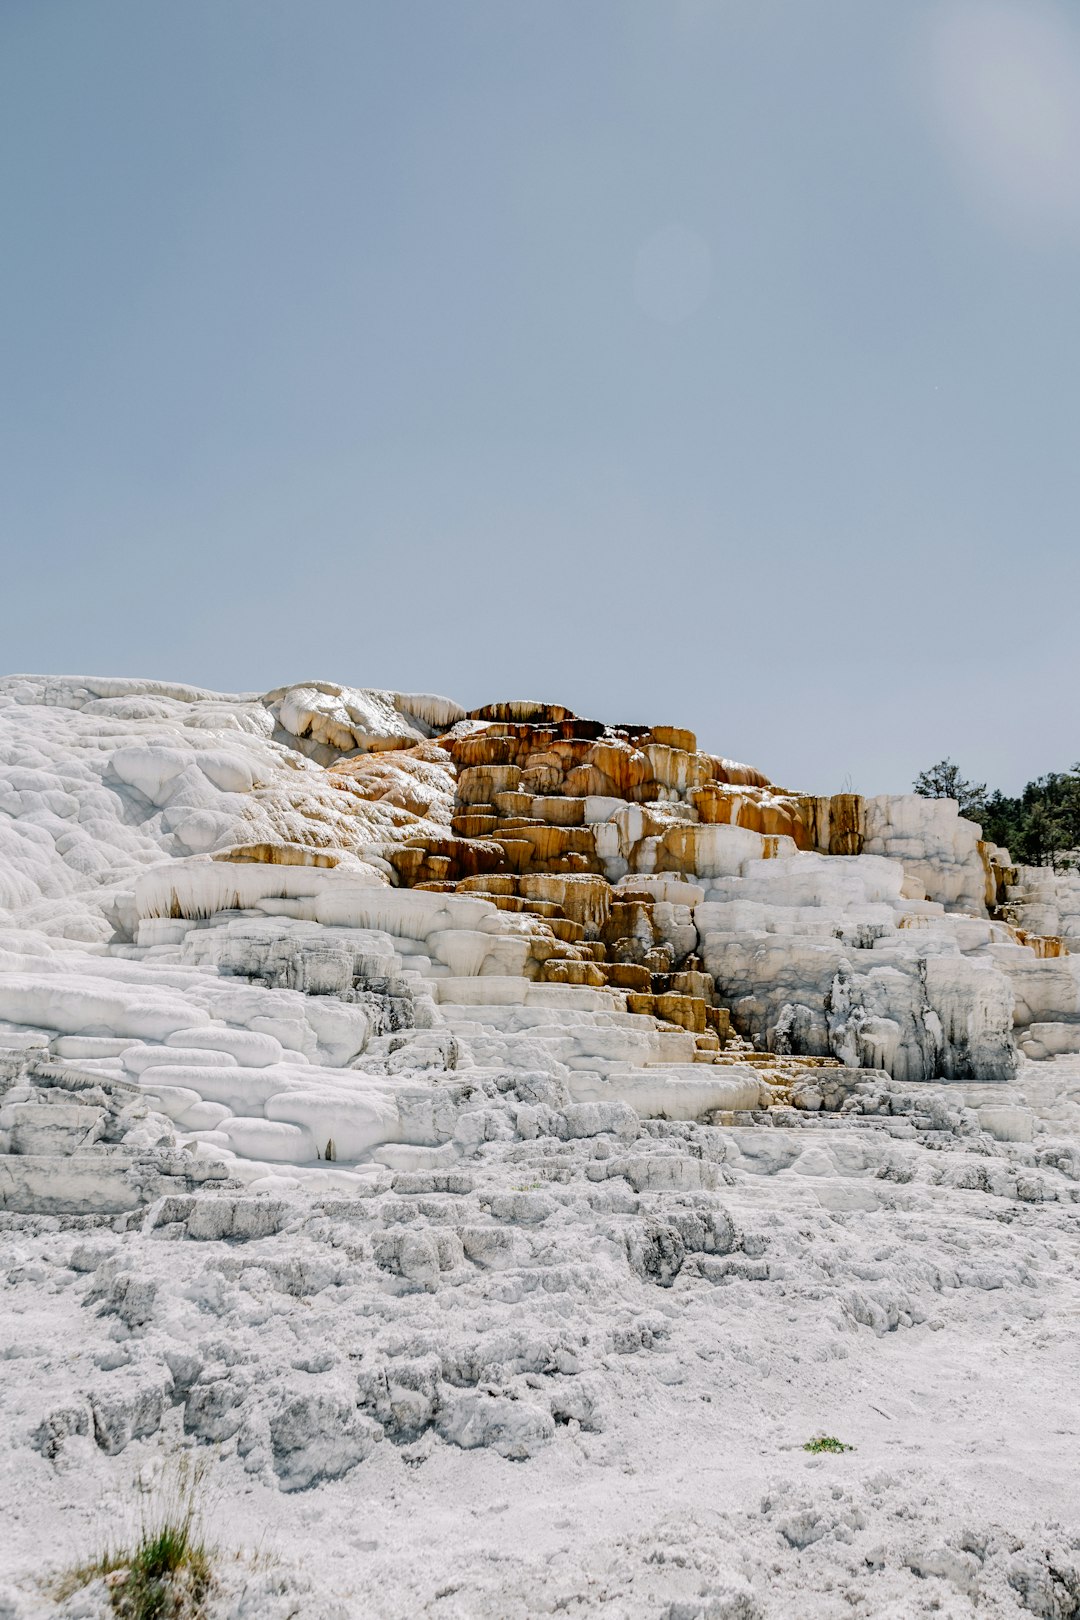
[709, 362]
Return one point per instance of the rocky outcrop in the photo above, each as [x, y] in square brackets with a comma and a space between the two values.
[392, 906]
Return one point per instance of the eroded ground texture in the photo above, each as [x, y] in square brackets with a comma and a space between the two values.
[489, 1147]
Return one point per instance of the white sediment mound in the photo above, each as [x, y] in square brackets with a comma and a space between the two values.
[453, 1217]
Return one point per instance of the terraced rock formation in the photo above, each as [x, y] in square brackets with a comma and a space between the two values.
[444, 1121]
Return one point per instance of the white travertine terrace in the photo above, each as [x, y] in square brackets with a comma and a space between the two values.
[391, 1097]
[589, 900]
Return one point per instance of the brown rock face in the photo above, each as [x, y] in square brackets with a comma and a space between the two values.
[583, 898]
[535, 809]
[279, 855]
[529, 781]
[419, 780]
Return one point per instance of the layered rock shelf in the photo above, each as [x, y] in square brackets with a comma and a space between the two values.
[264, 912]
[423, 1118]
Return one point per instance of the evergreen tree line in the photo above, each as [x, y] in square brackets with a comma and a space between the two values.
[1040, 828]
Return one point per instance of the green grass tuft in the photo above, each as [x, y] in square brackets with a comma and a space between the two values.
[167, 1573]
[826, 1442]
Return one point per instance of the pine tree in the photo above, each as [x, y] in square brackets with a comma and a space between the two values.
[943, 781]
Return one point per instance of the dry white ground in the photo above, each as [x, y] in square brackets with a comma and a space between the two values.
[586, 1374]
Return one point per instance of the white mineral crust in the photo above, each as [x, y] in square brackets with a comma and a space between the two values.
[481, 1294]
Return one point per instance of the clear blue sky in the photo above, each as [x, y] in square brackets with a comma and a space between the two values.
[712, 362]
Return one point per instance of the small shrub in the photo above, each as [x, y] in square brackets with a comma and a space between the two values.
[826, 1442]
[167, 1573]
